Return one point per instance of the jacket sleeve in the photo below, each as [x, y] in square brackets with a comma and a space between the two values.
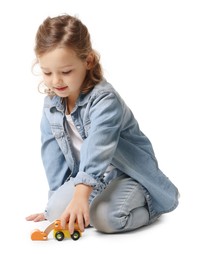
[55, 165]
[97, 151]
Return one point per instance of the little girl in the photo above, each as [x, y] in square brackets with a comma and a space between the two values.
[101, 169]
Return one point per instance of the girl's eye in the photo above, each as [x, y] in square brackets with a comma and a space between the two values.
[47, 73]
[67, 72]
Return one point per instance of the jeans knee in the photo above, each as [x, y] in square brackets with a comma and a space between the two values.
[105, 220]
[99, 216]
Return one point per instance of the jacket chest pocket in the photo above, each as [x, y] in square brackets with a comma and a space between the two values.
[61, 137]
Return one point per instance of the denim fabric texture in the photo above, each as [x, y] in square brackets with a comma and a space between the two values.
[120, 205]
[111, 135]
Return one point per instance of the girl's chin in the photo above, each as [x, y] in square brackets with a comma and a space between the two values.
[61, 93]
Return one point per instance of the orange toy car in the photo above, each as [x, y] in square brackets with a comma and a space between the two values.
[58, 232]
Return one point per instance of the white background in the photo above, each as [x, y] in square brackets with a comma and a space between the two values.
[153, 52]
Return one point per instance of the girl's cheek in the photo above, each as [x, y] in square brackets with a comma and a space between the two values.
[46, 82]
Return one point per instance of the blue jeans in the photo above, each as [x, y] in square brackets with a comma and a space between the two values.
[120, 207]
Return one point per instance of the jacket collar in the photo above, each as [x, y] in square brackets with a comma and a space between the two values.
[59, 103]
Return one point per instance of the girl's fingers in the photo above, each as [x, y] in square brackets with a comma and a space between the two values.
[86, 220]
[36, 217]
[81, 222]
[72, 220]
[39, 217]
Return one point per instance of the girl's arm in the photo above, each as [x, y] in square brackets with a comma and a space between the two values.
[78, 209]
[96, 154]
[97, 151]
[55, 165]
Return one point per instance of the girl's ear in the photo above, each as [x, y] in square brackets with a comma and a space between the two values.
[89, 61]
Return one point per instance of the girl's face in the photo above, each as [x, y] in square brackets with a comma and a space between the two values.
[63, 72]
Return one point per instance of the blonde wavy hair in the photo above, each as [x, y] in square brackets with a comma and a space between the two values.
[68, 31]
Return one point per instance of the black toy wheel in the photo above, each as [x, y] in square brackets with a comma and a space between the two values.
[75, 235]
[59, 235]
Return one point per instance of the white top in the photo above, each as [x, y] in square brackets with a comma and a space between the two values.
[76, 139]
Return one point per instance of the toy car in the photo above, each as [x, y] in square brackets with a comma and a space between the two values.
[58, 232]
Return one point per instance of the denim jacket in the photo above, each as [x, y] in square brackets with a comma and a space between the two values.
[111, 135]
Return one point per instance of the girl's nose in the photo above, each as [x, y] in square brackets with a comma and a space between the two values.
[56, 80]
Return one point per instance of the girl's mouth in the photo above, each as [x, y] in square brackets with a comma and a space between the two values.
[61, 88]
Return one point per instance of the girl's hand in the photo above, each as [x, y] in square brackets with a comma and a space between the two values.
[36, 217]
[78, 209]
